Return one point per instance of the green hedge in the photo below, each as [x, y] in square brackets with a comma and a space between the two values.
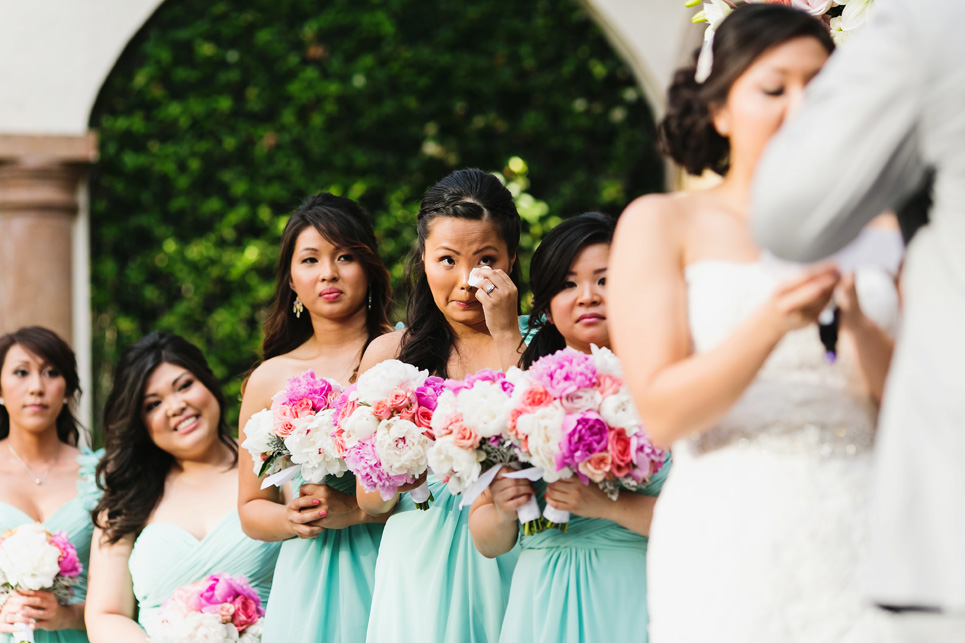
[221, 117]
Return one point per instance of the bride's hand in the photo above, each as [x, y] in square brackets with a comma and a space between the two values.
[798, 302]
[846, 296]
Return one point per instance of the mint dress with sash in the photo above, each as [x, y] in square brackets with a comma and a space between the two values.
[166, 556]
[73, 518]
[587, 584]
[322, 590]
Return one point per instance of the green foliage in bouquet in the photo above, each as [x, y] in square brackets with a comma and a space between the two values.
[222, 116]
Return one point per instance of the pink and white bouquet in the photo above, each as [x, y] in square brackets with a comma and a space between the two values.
[295, 434]
[470, 428]
[383, 423]
[32, 558]
[218, 608]
[573, 416]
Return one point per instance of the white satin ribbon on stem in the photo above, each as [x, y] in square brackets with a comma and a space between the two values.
[283, 476]
[475, 489]
[421, 493]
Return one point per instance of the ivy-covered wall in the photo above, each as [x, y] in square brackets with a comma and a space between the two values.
[222, 116]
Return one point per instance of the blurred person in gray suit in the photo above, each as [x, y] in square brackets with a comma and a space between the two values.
[886, 115]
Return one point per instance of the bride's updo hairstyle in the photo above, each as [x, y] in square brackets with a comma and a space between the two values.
[468, 194]
[687, 132]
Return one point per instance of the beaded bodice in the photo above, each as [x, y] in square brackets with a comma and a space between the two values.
[799, 402]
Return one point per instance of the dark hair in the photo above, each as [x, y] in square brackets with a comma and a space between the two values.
[465, 194]
[47, 345]
[551, 263]
[345, 224]
[133, 470]
[687, 132]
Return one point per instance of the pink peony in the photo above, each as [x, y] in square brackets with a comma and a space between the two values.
[565, 371]
[69, 563]
[363, 461]
[306, 386]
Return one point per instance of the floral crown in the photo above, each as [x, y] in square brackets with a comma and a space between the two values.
[843, 18]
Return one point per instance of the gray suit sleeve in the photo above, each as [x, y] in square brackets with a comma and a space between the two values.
[851, 151]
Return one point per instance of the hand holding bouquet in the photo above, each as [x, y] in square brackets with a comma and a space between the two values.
[218, 608]
[573, 416]
[32, 558]
[383, 422]
[295, 433]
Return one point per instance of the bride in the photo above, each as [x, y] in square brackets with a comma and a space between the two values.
[760, 533]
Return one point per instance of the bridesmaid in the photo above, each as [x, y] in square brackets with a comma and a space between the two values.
[592, 578]
[167, 517]
[431, 585]
[44, 477]
[332, 299]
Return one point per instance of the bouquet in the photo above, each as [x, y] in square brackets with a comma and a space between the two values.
[32, 558]
[470, 427]
[295, 434]
[383, 426]
[218, 608]
[573, 415]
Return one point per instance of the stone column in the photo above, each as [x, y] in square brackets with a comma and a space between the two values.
[39, 181]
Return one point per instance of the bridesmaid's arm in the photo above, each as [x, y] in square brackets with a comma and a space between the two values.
[493, 522]
[371, 502]
[110, 593]
[633, 511]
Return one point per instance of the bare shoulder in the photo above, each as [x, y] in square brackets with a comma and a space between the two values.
[266, 380]
[382, 348]
[666, 213]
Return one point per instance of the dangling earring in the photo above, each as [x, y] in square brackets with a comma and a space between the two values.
[298, 307]
[370, 299]
[1, 401]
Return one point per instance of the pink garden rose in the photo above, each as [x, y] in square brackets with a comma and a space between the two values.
[246, 612]
[463, 436]
[610, 385]
[382, 410]
[302, 408]
[400, 400]
[423, 417]
[596, 467]
[534, 397]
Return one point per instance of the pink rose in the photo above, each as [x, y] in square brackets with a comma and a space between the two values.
[302, 408]
[596, 466]
[464, 437]
[408, 413]
[423, 417]
[245, 612]
[399, 400]
[536, 396]
[620, 447]
[347, 410]
[609, 385]
[382, 410]
[284, 420]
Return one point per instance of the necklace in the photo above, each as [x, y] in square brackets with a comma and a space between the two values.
[37, 481]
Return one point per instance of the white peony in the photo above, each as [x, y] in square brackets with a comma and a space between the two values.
[252, 633]
[378, 382]
[446, 409]
[619, 411]
[544, 432]
[606, 362]
[258, 435]
[361, 424]
[401, 447]
[311, 446]
[462, 466]
[28, 560]
[483, 408]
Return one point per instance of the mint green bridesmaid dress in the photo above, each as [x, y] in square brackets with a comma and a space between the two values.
[166, 557]
[74, 519]
[322, 590]
[431, 585]
[588, 584]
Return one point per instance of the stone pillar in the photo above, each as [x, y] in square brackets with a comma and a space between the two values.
[39, 181]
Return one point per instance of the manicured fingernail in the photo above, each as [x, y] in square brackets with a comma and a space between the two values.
[316, 501]
[322, 513]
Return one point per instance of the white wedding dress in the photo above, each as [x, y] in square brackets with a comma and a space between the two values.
[760, 533]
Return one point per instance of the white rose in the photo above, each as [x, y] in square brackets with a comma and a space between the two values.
[257, 435]
[544, 432]
[312, 447]
[401, 447]
[378, 382]
[361, 424]
[618, 411]
[28, 560]
[584, 399]
[606, 362]
[445, 410]
[483, 408]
